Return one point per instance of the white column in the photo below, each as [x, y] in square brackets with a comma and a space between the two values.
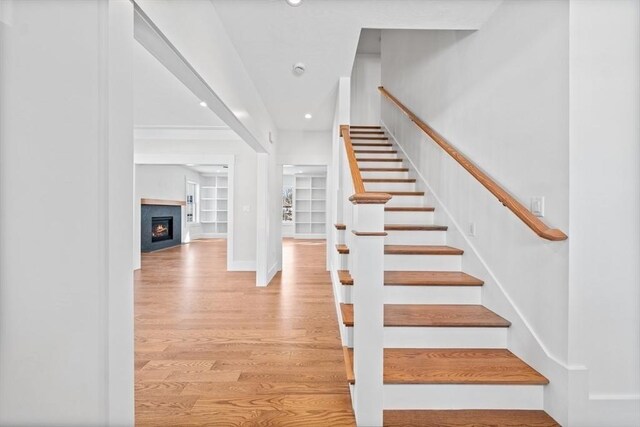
[367, 269]
[66, 200]
[262, 215]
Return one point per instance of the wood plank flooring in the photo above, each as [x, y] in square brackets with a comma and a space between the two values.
[212, 349]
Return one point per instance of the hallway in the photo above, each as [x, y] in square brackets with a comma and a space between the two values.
[212, 349]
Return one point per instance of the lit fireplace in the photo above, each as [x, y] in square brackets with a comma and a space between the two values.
[161, 228]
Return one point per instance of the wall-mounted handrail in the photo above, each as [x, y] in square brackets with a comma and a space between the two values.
[532, 221]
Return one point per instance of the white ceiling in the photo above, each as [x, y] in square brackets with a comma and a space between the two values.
[271, 36]
[161, 100]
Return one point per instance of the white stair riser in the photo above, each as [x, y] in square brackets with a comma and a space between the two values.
[340, 237]
[376, 164]
[415, 238]
[422, 294]
[389, 186]
[384, 175]
[432, 294]
[462, 396]
[441, 337]
[343, 261]
[406, 201]
[378, 155]
[408, 217]
[417, 337]
[374, 147]
[394, 262]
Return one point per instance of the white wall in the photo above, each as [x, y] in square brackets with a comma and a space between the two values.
[164, 182]
[303, 147]
[365, 98]
[500, 95]
[604, 311]
[66, 198]
[244, 186]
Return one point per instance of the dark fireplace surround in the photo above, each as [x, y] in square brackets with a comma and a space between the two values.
[160, 227]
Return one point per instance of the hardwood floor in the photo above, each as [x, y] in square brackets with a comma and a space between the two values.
[212, 349]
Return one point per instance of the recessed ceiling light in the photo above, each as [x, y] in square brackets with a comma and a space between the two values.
[307, 116]
[294, 2]
[203, 104]
[190, 164]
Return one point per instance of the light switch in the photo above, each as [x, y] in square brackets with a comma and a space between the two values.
[246, 208]
[472, 229]
[537, 206]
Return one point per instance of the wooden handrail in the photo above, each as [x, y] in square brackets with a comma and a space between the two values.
[356, 177]
[360, 196]
[532, 221]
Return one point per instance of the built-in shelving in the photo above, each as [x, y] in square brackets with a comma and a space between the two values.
[310, 205]
[214, 190]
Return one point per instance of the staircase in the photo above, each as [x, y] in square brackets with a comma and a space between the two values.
[445, 360]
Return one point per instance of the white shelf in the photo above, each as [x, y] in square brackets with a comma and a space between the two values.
[309, 206]
[213, 211]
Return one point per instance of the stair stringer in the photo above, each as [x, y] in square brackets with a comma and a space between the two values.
[522, 339]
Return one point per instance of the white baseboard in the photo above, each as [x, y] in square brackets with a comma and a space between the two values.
[277, 266]
[241, 266]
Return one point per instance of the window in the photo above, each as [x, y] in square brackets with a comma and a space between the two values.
[192, 202]
[287, 204]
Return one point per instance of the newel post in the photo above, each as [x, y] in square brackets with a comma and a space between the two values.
[367, 269]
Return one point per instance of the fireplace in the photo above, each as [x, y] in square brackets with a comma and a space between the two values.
[160, 225]
[161, 228]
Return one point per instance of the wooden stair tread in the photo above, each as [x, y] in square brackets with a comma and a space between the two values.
[365, 127]
[421, 250]
[468, 418]
[384, 169]
[430, 278]
[345, 277]
[408, 180]
[414, 227]
[419, 278]
[375, 151]
[409, 209]
[342, 249]
[348, 364]
[340, 226]
[367, 132]
[456, 366]
[373, 159]
[434, 315]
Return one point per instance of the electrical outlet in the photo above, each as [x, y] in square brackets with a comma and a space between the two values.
[537, 206]
[472, 229]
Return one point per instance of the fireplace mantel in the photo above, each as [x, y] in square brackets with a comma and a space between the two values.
[161, 202]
